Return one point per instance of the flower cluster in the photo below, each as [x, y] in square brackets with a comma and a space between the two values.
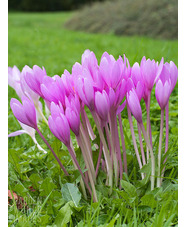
[106, 89]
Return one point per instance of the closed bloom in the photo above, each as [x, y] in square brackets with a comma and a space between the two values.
[26, 89]
[73, 118]
[85, 90]
[14, 80]
[134, 105]
[102, 104]
[111, 70]
[58, 124]
[53, 89]
[34, 77]
[166, 83]
[25, 112]
[150, 71]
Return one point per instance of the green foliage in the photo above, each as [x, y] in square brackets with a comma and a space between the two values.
[125, 17]
[53, 199]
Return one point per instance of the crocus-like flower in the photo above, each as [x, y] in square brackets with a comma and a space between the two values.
[134, 105]
[73, 118]
[26, 89]
[173, 73]
[85, 91]
[14, 80]
[28, 130]
[102, 104]
[25, 112]
[58, 124]
[111, 70]
[34, 78]
[150, 71]
[166, 83]
[53, 89]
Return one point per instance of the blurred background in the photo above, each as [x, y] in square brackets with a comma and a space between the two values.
[54, 33]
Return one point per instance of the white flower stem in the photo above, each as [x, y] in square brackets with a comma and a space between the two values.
[134, 140]
[167, 136]
[123, 143]
[41, 113]
[152, 155]
[159, 151]
[105, 149]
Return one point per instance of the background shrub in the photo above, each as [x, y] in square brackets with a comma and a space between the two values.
[129, 17]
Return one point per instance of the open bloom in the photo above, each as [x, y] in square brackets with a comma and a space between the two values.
[134, 105]
[58, 124]
[25, 112]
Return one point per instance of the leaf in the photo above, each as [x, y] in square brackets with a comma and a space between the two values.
[148, 200]
[46, 187]
[64, 215]
[71, 193]
[129, 188]
[35, 179]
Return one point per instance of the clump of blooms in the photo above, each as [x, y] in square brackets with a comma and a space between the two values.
[106, 89]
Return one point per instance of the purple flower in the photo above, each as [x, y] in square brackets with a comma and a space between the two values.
[73, 118]
[102, 104]
[25, 112]
[166, 83]
[85, 90]
[58, 124]
[111, 70]
[173, 73]
[134, 105]
[14, 80]
[34, 78]
[26, 89]
[150, 71]
[53, 89]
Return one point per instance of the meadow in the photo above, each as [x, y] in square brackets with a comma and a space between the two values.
[41, 39]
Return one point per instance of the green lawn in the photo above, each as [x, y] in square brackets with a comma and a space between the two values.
[39, 38]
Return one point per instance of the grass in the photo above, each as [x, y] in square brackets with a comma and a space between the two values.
[40, 38]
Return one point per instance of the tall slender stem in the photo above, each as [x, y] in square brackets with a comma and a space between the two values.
[123, 143]
[152, 155]
[48, 145]
[141, 145]
[88, 153]
[167, 136]
[41, 113]
[86, 175]
[89, 127]
[134, 140]
[99, 157]
[159, 152]
[87, 162]
[86, 129]
[79, 168]
[113, 154]
[148, 123]
[105, 149]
